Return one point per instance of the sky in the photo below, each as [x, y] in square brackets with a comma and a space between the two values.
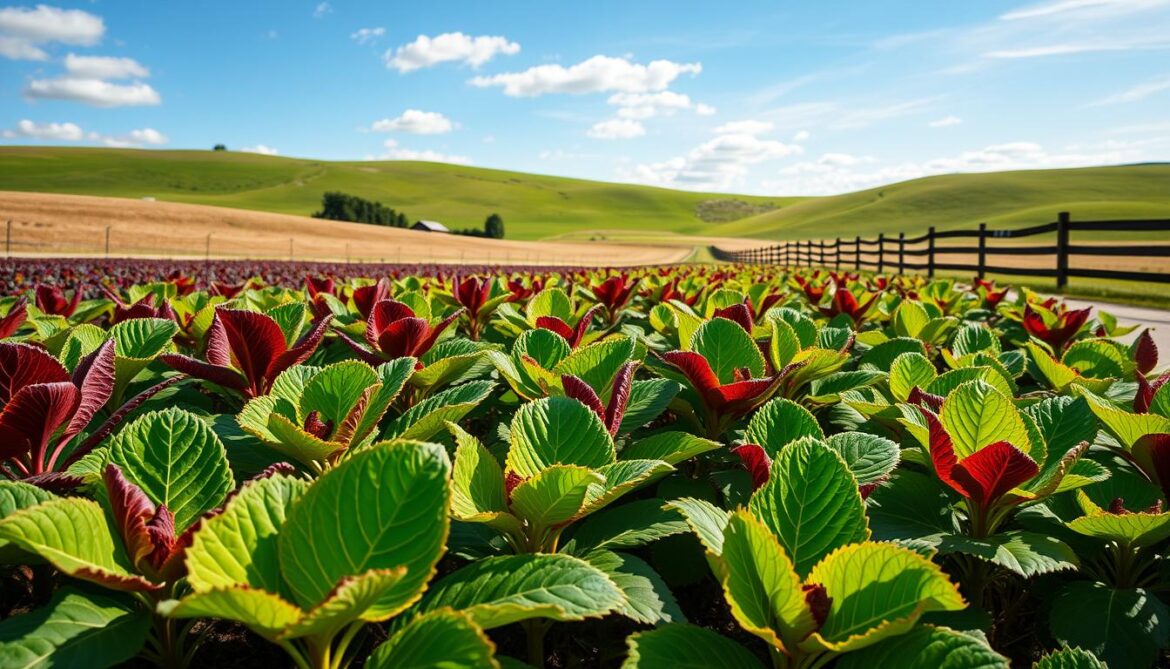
[774, 98]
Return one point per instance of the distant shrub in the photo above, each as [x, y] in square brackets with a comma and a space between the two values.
[493, 228]
[337, 206]
[219, 147]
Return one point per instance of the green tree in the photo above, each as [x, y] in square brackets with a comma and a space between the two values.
[219, 147]
[494, 227]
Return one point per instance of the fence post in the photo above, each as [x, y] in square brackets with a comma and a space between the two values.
[857, 255]
[207, 249]
[821, 253]
[881, 252]
[290, 249]
[107, 241]
[901, 253]
[982, 249]
[8, 240]
[930, 253]
[837, 255]
[1062, 220]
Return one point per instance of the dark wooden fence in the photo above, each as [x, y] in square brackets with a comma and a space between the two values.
[890, 254]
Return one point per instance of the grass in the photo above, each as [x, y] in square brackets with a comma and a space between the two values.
[533, 206]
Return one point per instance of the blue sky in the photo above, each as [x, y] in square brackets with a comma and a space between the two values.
[755, 97]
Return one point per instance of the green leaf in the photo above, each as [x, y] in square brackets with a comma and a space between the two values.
[1124, 628]
[1127, 427]
[727, 347]
[683, 646]
[1069, 658]
[669, 447]
[882, 356]
[353, 598]
[438, 640]
[265, 613]
[977, 415]
[549, 302]
[908, 371]
[627, 526]
[1098, 359]
[909, 318]
[877, 590]
[14, 496]
[705, 519]
[811, 503]
[75, 629]
[239, 545]
[621, 478]
[760, 583]
[927, 647]
[1025, 553]
[647, 599]
[392, 376]
[430, 416]
[497, 591]
[648, 399]
[779, 423]
[177, 460]
[974, 337]
[477, 482]
[913, 506]
[546, 347]
[1063, 422]
[1130, 529]
[554, 495]
[597, 363]
[137, 342]
[386, 506]
[291, 318]
[334, 391]
[869, 457]
[72, 534]
[557, 430]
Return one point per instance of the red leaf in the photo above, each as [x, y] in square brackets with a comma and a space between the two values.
[619, 398]
[433, 333]
[218, 350]
[554, 324]
[942, 452]
[1145, 353]
[696, 368]
[299, 352]
[756, 461]
[255, 341]
[23, 365]
[583, 326]
[131, 510]
[366, 297]
[819, 602]
[15, 318]
[583, 393]
[383, 314]
[94, 378]
[1152, 453]
[31, 417]
[992, 471]
[221, 376]
[738, 314]
[921, 398]
[402, 337]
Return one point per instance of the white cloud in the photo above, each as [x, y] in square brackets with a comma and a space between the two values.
[94, 92]
[61, 132]
[261, 149]
[132, 139]
[801, 136]
[1136, 93]
[649, 105]
[1058, 8]
[426, 51]
[24, 30]
[147, 136]
[618, 128]
[704, 110]
[367, 35]
[720, 163]
[415, 122]
[945, 122]
[394, 152]
[322, 9]
[749, 127]
[104, 67]
[595, 75]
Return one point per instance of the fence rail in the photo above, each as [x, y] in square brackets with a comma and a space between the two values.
[890, 253]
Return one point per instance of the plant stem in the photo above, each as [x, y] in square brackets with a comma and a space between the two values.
[536, 630]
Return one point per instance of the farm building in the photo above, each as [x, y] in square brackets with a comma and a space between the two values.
[429, 226]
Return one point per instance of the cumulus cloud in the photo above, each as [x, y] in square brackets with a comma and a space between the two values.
[662, 103]
[945, 122]
[261, 149]
[367, 35]
[24, 30]
[104, 67]
[415, 122]
[595, 75]
[132, 139]
[395, 152]
[718, 164]
[60, 132]
[94, 92]
[427, 51]
[618, 128]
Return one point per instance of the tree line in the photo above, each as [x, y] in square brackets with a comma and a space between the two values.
[338, 206]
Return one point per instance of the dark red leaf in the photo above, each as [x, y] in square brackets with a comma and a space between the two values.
[32, 415]
[255, 341]
[1145, 353]
[756, 461]
[696, 368]
[299, 352]
[819, 602]
[619, 398]
[738, 314]
[15, 318]
[554, 324]
[992, 471]
[23, 365]
[131, 510]
[583, 393]
[1152, 453]
[94, 378]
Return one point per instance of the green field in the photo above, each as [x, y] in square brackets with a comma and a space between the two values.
[533, 206]
[537, 207]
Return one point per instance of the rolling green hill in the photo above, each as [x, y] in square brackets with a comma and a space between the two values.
[1000, 199]
[533, 206]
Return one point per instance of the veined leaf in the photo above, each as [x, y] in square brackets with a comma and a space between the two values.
[927, 647]
[647, 598]
[623, 477]
[1069, 658]
[265, 613]
[1126, 628]
[909, 371]
[75, 629]
[685, 646]
[597, 363]
[869, 457]
[727, 347]
[977, 415]
[554, 495]
[779, 423]
[705, 519]
[1025, 553]
[477, 482]
[628, 526]
[440, 640]
[1127, 427]
[557, 430]
[669, 447]
[428, 417]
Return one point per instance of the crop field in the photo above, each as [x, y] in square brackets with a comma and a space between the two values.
[724, 466]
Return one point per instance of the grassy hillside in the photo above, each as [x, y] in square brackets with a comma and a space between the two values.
[532, 206]
[1001, 199]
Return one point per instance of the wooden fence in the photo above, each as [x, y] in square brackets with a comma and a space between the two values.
[891, 254]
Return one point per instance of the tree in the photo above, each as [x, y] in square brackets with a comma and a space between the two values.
[494, 227]
[219, 147]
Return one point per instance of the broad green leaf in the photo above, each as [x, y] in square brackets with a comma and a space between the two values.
[14, 496]
[727, 348]
[72, 534]
[430, 416]
[1137, 530]
[353, 598]
[913, 506]
[946, 383]
[811, 503]
[870, 457]
[1025, 553]
[445, 370]
[977, 415]
[597, 363]
[621, 478]
[1069, 658]
[779, 423]
[784, 344]
[760, 583]
[501, 590]
[553, 496]
[549, 302]
[669, 447]
[1127, 427]
[265, 613]
[705, 519]
[290, 384]
[557, 430]
[882, 356]
[137, 342]
[292, 317]
[1098, 359]
[1063, 422]
[909, 371]
[683, 646]
[546, 347]
[439, 640]
[974, 337]
[82, 340]
[927, 647]
[627, 526]
[877, 590]
[477, 481]
[1124, 628]
[392, 377]
[647, 598]
[75, 629]
[334, 391]
[648, 399]
[909, 318]
[384, 507]
[177, 460]
[238, 547]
